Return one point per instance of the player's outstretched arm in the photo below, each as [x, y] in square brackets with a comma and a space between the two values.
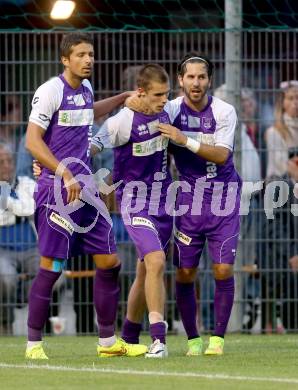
[135, 103]
[216, 154]
[105, 106]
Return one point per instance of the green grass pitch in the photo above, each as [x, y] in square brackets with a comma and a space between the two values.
[249, 362]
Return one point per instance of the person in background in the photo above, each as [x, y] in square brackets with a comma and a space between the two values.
[11, 130]
[18, 247]
[283, 135]
[279, 252]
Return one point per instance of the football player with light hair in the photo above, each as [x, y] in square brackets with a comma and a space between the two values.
[140, 163]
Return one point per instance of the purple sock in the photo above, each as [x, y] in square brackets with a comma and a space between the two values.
[223, 303]
[158, 331]
[187, 306]
[39, 301]
[131, 331]
[106, 297]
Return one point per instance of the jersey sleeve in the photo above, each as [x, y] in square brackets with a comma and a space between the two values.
[46, 101]
[88, 85]
[226, 122]
[116, 130]
[172, 108]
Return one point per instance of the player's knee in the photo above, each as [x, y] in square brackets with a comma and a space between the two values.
[155, 263]
[140, 273]
[186, 275]
[222, 271]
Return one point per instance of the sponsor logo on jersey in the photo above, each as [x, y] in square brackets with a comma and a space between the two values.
[64, 117]
[141, 221]
[149, 147]
[62, 222]
[201, 137]
[81, 117]
[182, 237]
[207, 139]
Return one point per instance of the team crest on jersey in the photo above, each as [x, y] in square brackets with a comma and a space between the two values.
[207, 122]
[88, 97]
[164, 118]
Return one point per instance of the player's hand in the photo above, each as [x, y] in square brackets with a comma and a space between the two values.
[36, 167]
[135, 103]
[294, 263]
[172, 133]
[293, 168]
[72, 186]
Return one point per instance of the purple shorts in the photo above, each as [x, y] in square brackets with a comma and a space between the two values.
[87, 230]
[192, 231]
[149, 233]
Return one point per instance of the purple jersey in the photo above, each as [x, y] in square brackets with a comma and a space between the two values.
[66, 115]
[214, 125]
[140, 152]
[141, 159]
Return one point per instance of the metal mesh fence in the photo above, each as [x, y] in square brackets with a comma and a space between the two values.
[267, 294]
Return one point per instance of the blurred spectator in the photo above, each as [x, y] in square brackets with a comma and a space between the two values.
[130, 77]
[18, 252]
[10, 117]
[279, 253]
[24, 160]
[251, 171]
[248, 113]
[246, 285]
[284, 133]
[280, 261]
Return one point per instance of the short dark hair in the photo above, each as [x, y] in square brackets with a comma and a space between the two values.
[73, 39]
[191, 58]
[8, 103]
[149, 73]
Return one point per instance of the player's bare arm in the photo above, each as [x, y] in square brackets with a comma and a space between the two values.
[40, 151]
[216, 154]
[105, 106]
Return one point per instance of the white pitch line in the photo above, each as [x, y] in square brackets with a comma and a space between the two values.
[149, 373]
